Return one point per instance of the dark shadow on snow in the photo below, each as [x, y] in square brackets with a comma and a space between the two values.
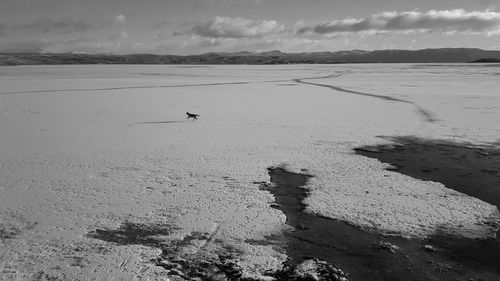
[130, 233]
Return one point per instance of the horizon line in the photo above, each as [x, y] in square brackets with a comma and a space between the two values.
[246, 51]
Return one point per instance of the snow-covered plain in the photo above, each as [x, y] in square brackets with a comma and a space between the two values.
[91, 147]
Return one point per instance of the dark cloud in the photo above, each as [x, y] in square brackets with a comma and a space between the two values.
[175, 24]
[444, 21]
[224, 27]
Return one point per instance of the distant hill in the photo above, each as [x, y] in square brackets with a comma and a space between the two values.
[487, 60]
[444, 55]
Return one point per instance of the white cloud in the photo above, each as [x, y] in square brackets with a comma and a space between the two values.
[138, 46]
[197, 45]
[433, 21]
[120, 19]
[494, 32]
[224, 27]
[120, 36]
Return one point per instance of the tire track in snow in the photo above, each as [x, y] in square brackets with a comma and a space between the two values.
[428, 116]
[153, 86]
[126, 88]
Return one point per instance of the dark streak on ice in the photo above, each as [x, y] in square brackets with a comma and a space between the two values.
[146, 87]
[429, 117]
[125, 88]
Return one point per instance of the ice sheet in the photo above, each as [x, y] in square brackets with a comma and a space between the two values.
[87, 147]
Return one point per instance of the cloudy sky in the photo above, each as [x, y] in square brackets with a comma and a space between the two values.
[199, 26]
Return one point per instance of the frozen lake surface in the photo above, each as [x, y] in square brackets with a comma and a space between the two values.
[86, 148]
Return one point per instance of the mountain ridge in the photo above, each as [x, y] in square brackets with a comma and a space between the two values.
[436, 55]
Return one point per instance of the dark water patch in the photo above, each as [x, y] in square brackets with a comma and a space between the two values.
[362, 254]
[473, 255]
[472, 170]
[130, 233]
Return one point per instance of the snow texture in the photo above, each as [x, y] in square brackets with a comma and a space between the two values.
[91, 147]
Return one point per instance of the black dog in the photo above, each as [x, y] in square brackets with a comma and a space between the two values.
[191, 115]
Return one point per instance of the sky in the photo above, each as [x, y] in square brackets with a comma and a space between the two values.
[185, 27]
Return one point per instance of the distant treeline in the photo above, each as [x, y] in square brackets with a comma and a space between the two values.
[444, 55]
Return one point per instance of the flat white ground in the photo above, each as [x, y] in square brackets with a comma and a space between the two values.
[90, 147]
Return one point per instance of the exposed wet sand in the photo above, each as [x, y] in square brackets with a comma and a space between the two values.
[371, 256]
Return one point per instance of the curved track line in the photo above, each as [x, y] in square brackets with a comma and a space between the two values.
[158, 86]
[125, 88]
[425, 113]
[428, 116]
